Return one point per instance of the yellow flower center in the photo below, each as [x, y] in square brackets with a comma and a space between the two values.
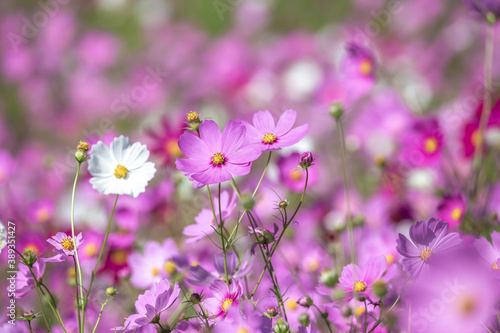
[169, 267]
[83, 145]
[242, 330]
[312, 264]
[476, 138]
[121, 171]
[90, 250]
[296, 175]
[32, 247]
[119, 257]
[359, 311]
[218, 159]
[194, 263]
[390, 258]
[359, 286]
[71, 272]
[172, 148]
[155, 271]
[226, 304]
[366, 67]
[467, 305]
[430, 145]
[456, 214]
[193, 117]
[291, 304]
[494, 266]
[43, 215]
[269, 138]
[67, 244]
[426, 254]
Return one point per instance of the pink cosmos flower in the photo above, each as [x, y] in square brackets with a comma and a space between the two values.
[205, 224]
[452, 209]
[24, 279]
[489, 252]
[292, 176]
[150, 305]
[63, 246]
[356, 280]
[224, 297]
[274, 137]
[214, 157]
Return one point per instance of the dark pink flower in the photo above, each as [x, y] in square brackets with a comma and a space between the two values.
[63, 246]
[452, 209]
[214, 157]
[224, 297]
[274, 137]
[358, 281]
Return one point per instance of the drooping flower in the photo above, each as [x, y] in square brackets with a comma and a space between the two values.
[205, 224]
[199, 276]
[428, 239]
[224, 297]
[150, 305]
[214, 157]
[358, 281]
[274, 137]
[490, 252]
[3, 236]
[64, 246]
[24, 279]
[121, 168]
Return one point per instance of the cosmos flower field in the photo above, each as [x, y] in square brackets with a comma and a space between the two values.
[250, 166]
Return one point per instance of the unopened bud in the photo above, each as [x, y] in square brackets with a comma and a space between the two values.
[329, 278]
[281, 326]
[283, 204]
[358, 221]
[247, 201]
[346, 311]
[195, 298]
[29, 257]
[264, 236]
[305, 301]
[380, 288]
[336, 110]
[304, 319]
[110, 291]
[193, 120]
[28, 315]
[271, 312]
[306, 160]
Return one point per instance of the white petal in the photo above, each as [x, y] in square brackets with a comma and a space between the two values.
[101, 162]
[136, 156]
[118, 147]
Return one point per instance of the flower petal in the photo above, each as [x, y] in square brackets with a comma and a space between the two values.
[211, 135]
[264, 122]
[286, 121]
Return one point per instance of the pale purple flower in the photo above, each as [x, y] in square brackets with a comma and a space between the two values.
[428, 239]
[490, 252]
[484, 7]
[24, 278]
[150, 305]
[205, 224]
[358, 281]
[199, 276]
[64, 246]
[274, 137]
[216, 157]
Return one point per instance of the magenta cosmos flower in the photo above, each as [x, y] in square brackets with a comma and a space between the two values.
[150, 305]
[214, 157]
[274, 137]
[224, 297]
[358, 281]
[489, 252]
[24, 279]
[63, 246]
[428, 239]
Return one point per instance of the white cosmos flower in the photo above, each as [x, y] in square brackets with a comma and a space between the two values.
[121, 168]
[3, 236]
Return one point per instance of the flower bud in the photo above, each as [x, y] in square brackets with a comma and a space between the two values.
[29, 257]
[195, 298]
[281, 326]
[380, 288]
[304, 319]
[305, 301]
[28, 315]
[81, 152]
[306, 160]
[110, 291]
[247, 201]
[193, 120]
[283, 204]
[358, 221]
[264, 236]
[346, 311]
[329, 278]
[336, 110]
[271, 312]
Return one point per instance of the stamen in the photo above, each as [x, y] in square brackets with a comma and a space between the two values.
[218, 159]
[426, 254]
[359, 286]
[430, 145]
[67, 244]
[121, 171]
[226, 304]
[269, 138]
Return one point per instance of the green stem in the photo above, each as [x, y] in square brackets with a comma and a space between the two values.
[85, 300]
[219, 227]
[365, 326]
[37, 286]
[285, 225]
[78, 270]
[340, 130]
[485, 114]
[263, 173]
[29, 326]
[100, 314]
[386, 314]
